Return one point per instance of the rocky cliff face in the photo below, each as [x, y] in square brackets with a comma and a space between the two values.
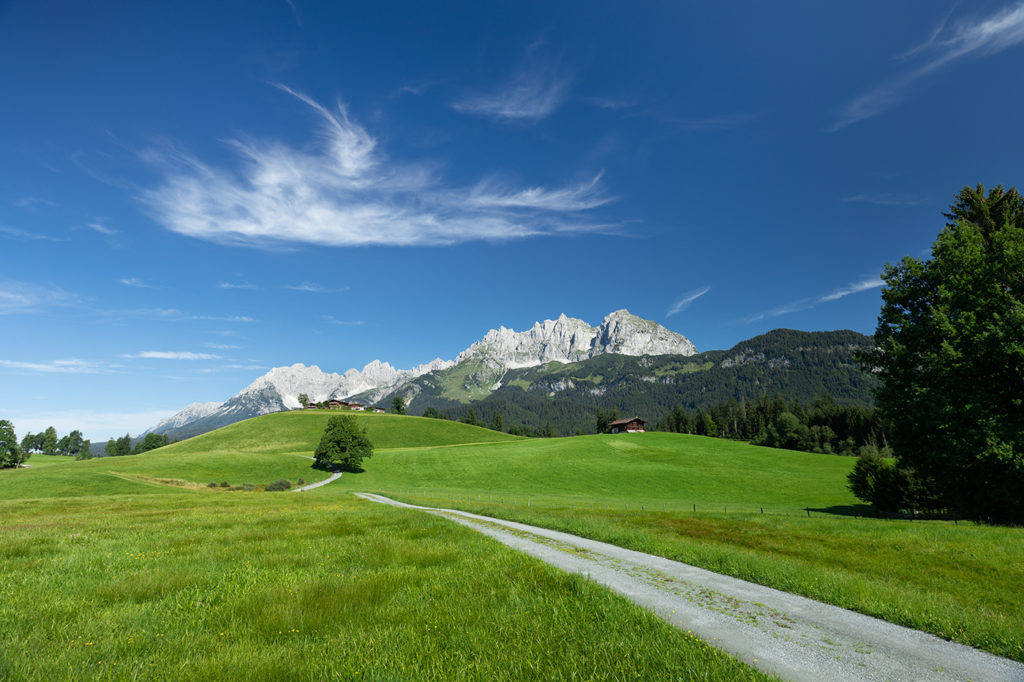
[563, 340]
[570, 340]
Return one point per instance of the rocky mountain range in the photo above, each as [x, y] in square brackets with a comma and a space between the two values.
[475, 373]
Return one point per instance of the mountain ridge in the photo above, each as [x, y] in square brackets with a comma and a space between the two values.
[564, 339]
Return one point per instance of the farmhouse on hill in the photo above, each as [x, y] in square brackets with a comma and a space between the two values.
[634, 425]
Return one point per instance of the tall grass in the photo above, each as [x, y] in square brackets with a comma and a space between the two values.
[259, 587]
[960, 582]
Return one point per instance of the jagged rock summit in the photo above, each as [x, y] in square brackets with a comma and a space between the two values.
[565, 339]
[568, 339]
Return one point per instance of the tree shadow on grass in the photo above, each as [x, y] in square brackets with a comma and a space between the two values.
[871, 512]
[336, 468]
[849, 510]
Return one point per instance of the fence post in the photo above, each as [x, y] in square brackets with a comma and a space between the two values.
[762, 510]
[808, 509]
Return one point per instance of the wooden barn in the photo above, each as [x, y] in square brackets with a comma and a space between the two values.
[633, 425]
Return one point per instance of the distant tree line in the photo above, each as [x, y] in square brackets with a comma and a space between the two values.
[122, 446]
[48, 443]
[821, 426]
[496, 423]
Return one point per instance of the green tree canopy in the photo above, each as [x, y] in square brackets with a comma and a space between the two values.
[11, 455]
[152, 441]
[398, 405]
[123, 446]
[303, 399]
[49, 444]
[950, 354]
[344, 444]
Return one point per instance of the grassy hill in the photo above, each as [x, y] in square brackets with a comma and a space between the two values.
[255, 451]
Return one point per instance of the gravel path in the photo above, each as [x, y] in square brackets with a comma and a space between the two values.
[790, 636]
[333, 477]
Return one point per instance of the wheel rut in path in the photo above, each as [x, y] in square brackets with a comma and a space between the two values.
[783, 634]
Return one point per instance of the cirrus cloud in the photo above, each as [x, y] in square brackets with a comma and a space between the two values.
[346, 193]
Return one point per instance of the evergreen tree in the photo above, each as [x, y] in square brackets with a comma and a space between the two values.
[49, 444]
[498, 422]
[123, 446]
[110, 450]
[74, 444]
[86, 450]
[470, 417]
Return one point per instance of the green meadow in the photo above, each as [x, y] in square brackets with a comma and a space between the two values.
[252, 565]
[278, 586]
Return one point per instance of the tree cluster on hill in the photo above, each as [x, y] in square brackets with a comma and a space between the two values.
[823, 425]
[122, 446]
[950, 356]
[48, 443]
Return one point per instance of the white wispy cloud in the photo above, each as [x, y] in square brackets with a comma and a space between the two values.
[29, 236]
[55, 366]
[101, 229]
[532, 94]
[346, 323]
[584, 196]
[29, 201]
[222, 346]
[175, 315]
[810, 302]
[312, 288]
[26, 297]
[345, 194]
[855, 288]
[172, 355]
[949, 42]
[609, 103]
[135, 282]
[237, 285]
[685, 300]
[883, 199]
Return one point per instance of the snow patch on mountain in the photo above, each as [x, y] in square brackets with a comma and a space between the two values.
[191, 413]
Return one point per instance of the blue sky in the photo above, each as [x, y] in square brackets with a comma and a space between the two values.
[190, 195]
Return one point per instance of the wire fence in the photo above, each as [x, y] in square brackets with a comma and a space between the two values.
[519, 501]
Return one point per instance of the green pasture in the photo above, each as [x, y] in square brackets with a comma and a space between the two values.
[656, 470]
[277, 586]
[961, 581]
